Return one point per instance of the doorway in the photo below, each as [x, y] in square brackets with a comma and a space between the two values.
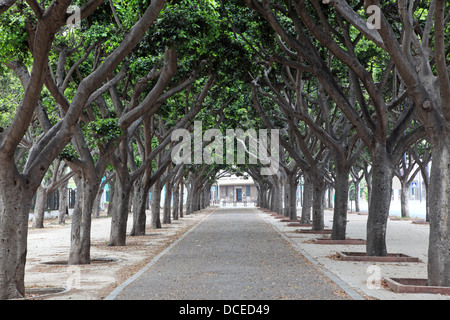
[239, 194]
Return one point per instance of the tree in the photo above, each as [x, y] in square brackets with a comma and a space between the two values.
[17, 188]
[385, 133]
[421, 59]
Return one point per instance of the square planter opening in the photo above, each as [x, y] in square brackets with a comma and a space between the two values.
[299, 225]
[409, 285]
[362, 256]
[346, 241]
[326, 231]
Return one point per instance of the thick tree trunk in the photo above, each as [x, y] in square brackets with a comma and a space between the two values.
[291, 199]
[318, 193]
[276, 203]
[156, 205]
[176, 201]
[63, 205]
[194, 198]
[404, 199]
[439, 204]
[120, 214]
[15, 203]
[307, 201]
[139, 209]
[286, 193]
[340, 203]
[80, 240]
[39, 208]
[167, 201]
[382, 174]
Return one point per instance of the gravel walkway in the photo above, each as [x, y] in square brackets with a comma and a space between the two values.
[231, 255]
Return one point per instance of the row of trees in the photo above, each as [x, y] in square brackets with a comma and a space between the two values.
[343, 85]
[100, 104]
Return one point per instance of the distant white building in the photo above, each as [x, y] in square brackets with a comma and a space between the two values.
[237, 190]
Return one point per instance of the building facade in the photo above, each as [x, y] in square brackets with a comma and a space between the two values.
[237, 190]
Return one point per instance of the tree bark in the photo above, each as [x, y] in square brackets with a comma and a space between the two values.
[439, 243]
[39, 208]
[97, 201]
[112, 191]
[156, 204]
[120, 213]
[357, 184]
[291, 200]
[318, 193]
[80, 240]
[15, 203]
[139, 208]
[167, 201]
[181, 197]
[307, 201]
[63, 205]
[404, 199]
[382, 174]
[340, 203]
[176, 201]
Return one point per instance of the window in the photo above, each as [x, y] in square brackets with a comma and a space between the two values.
[248, 191]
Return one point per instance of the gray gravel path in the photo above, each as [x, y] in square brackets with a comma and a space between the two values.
[232, 255]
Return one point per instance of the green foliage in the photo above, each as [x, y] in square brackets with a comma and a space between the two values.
[105, 130]
[13, 36]
[69, 153]
[11, 93]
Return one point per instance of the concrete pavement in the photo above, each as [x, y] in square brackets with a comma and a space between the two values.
[233, 254]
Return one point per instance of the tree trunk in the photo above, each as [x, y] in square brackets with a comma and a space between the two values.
[96, 206]
[139, 209]
[15, 203]
[330, 197]
[382, 173]
[167, 201]
[404, 199]
[39, 208]
[439, 204]
[276, 205]
[318, 193]
[181, 197]
[176, 201]
[357, 184]
[291, 199]
[156, 204]
[112, 191]
[307, 201]
[120, 213]
[63, 205]
[368, 178]
[340, 203]
[80, 240]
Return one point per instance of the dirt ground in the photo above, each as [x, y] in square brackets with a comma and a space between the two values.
[48, 249]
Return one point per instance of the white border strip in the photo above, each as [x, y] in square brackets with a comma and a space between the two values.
[113, 295]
